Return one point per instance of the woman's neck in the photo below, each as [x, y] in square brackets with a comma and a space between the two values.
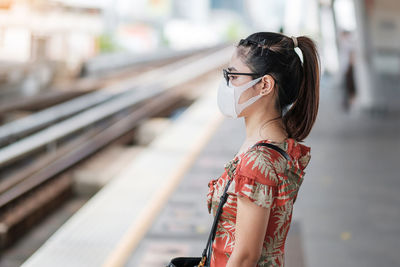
[261, 126]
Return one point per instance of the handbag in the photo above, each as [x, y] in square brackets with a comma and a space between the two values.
[204, 260]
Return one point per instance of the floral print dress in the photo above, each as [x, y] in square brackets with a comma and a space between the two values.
[265, 177]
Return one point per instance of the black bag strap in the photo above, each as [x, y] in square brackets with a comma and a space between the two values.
[207, 251]
[277, 148]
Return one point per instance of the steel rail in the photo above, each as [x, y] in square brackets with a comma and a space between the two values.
[106, 62]
[168, 76]
[16, 129]
[87, 146]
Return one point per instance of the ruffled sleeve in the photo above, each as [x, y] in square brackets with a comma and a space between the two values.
[255, 178]
[260, 194]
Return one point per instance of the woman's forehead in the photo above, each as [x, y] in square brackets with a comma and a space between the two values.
[236, 64]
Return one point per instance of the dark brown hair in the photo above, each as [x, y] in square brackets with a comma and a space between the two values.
[297, 82]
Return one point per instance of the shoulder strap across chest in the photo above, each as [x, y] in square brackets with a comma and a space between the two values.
[280, 150]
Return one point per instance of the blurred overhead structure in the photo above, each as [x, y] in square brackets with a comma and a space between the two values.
[378, 57]
[375, 26]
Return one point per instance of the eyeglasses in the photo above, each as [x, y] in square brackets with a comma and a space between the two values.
[227, 73]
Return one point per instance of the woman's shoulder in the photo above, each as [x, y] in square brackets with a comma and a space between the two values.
[300, 154]
[263, 169]
[268, 166]
[262, 164]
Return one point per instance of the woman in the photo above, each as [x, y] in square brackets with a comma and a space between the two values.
[277, 93]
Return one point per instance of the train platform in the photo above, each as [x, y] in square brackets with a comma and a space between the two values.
[346, 213]
[347, 210]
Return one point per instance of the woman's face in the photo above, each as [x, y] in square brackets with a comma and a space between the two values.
[237, 65]
[263, 87]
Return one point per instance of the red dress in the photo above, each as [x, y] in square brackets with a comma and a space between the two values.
[265, 177]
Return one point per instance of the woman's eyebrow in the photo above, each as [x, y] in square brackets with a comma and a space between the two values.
[232, 68]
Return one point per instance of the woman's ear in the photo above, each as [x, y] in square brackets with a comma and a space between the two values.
[268, 84]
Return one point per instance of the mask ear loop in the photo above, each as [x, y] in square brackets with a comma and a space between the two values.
[238, 92]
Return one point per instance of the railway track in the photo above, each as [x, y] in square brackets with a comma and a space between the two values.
[34, 169]
[102, 84]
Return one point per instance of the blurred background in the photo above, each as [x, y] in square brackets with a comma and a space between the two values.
[90, 91]
[46, 43]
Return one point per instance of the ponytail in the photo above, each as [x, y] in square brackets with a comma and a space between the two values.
[301, 117]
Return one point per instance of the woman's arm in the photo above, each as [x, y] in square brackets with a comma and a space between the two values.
[251, 226]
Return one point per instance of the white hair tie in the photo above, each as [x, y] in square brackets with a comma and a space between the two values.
[294, 41]
[298, 50]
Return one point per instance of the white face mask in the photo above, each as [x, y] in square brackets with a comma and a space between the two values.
[229, 95]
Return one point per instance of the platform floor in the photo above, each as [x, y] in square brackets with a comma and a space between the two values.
[347, 212]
